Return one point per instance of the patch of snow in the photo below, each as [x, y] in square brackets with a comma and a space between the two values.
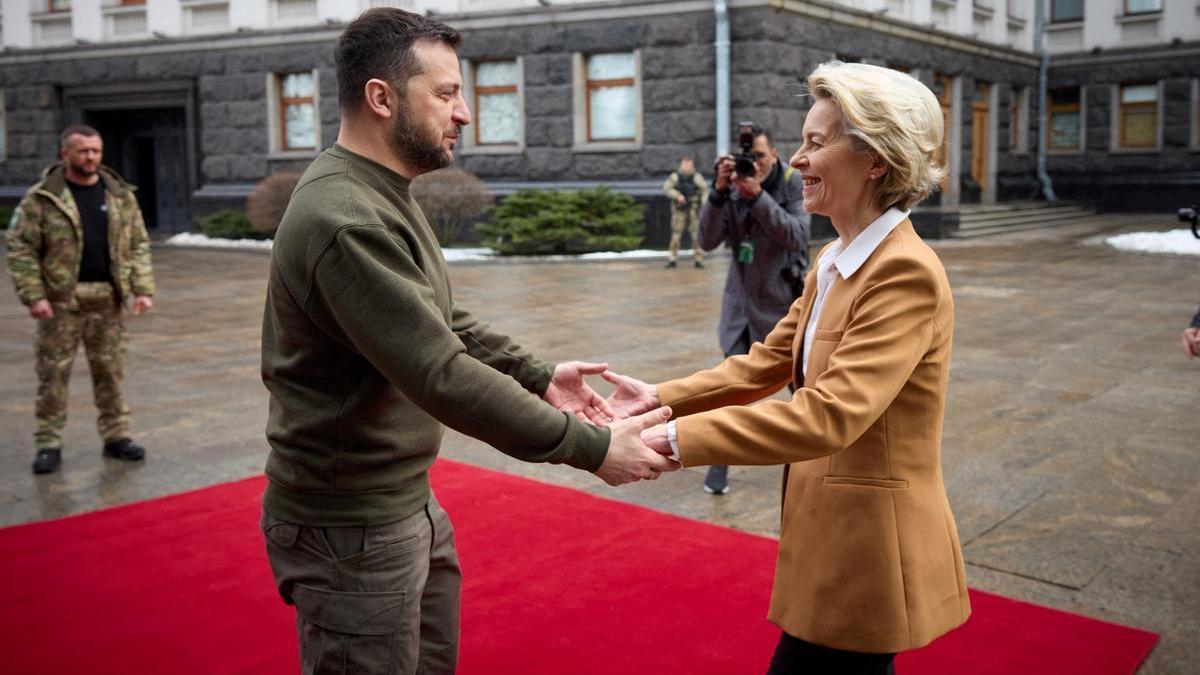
[1177, 242]
[623, 255]
[467, 254]
[451, 254]
[190, 239]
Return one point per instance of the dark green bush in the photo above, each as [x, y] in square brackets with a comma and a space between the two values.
[537, 222]
[227, 224]
[5, 217]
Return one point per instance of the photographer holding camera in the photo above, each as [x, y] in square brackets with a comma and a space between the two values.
[756, 205]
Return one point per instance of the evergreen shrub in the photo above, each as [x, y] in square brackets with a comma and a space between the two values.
[541, 222]
[227, 224]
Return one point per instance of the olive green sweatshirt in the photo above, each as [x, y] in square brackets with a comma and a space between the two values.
[366, 357]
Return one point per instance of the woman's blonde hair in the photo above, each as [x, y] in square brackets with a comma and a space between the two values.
[892, 116]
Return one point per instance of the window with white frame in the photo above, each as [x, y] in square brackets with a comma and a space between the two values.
[205, 16]
[1137, 118]
[125, 19]
[608, 98]
[53, 25]
[1018, 130]
[294, 112]
[288, 12]
[1142, 6]
[1064, 117]
[1066, 10]
[496, 100]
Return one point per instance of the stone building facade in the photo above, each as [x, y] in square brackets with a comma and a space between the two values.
[197, 120]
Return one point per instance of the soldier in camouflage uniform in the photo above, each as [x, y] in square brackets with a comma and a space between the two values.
[77, 249]
[687, 191]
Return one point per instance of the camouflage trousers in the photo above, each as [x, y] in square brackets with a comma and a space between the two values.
[685, 219]
[98, 323]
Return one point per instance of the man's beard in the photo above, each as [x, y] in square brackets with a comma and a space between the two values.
[82, 169]
[417, 150]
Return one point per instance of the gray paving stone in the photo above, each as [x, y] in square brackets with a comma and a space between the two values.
[1070, 438]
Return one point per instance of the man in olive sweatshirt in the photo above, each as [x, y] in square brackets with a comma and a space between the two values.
[367, 356]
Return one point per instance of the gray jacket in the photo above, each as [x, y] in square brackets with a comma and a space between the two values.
[757, 294]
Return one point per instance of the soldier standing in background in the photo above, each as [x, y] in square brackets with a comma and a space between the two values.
[687, 190]
[77, 248]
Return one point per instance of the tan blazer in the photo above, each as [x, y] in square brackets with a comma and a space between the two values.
[869, 558]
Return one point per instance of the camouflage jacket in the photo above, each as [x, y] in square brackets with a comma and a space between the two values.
[45, 239]
[671, 188]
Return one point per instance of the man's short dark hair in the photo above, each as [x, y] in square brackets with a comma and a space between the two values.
[81, 129]
[379, 44]
[762, 130]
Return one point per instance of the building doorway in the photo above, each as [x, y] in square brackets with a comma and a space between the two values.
[149, 132]
[980, 123]
[148, 147]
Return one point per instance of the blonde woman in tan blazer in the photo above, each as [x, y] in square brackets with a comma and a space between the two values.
[869, 559]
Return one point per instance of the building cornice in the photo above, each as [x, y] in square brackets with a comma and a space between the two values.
[540, 16]
[1123, 55]
[881, 23]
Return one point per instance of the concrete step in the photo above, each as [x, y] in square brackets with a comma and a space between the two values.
[1009, 206]
[1022, 226]
[1020, 217]
[977, 215]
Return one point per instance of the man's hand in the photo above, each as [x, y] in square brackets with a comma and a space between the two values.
[569, 392]
[747, 186]
[41, 310]
[681, 200]
[724, 173]
[628, 458]
[142, 304]
[631, 397]
[1191, 342]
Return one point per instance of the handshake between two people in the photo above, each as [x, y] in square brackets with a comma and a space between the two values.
[638, 449]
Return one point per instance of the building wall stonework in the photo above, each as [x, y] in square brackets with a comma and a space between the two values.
[1128, 180]
[772, 51]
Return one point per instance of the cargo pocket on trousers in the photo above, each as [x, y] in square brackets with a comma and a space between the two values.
[347, 632]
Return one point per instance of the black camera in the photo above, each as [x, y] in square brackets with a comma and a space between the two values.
[744, 162]
[1191, 215]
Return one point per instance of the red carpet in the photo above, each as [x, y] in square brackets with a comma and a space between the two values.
[556, 581]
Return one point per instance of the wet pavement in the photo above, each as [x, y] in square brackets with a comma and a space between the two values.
[1071, 449]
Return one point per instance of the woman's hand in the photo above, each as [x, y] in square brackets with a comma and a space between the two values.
[631, 397]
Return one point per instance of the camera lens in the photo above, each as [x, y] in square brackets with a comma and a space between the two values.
[744, 166]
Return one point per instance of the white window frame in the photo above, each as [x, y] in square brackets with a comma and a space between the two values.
[1115, 121]
[274, 121]
[469, 146]
[275, 20]
[580, 107]
[1125, 9]
[1082, 125]
[190, 6]
[112, 15]
[58, 18]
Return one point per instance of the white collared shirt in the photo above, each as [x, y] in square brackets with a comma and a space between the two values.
[845, 261]
[837, 260]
